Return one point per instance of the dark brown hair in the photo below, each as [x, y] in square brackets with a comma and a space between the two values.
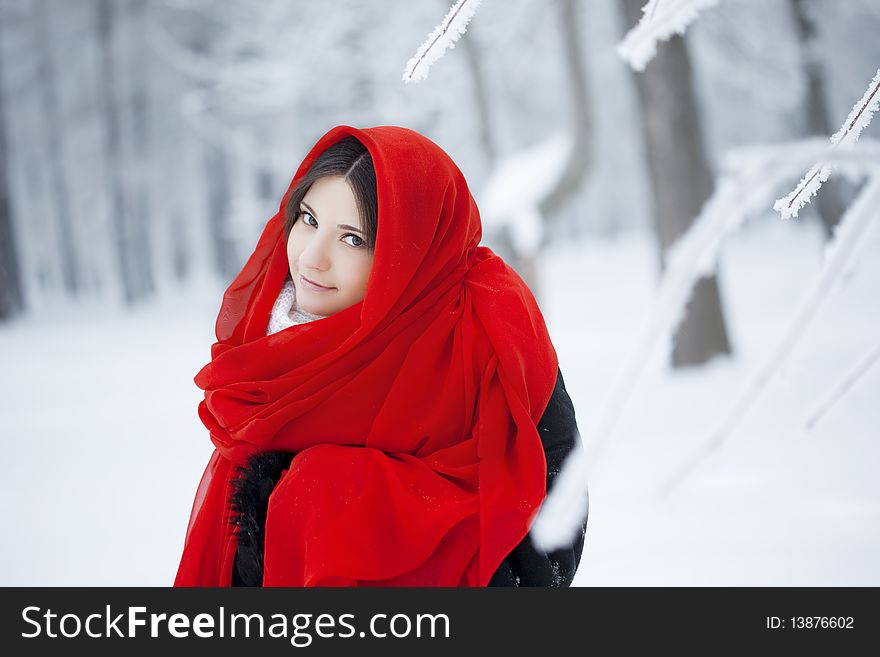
[351, 160]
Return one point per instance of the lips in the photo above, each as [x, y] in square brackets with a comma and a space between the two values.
[312, 285]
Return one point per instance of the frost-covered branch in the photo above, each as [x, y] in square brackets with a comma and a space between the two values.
[444, 36]
[564, 511]
[860, 116]
[844, 242]
[845, 138]
[857, 372]
[749, 177]
[691, 256]
[511, 198]
[660, 20]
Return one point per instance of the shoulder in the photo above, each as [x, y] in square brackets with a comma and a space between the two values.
[558, 425]
[526, 565]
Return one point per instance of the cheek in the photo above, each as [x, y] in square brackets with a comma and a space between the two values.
[355, 276]
[292, 251]
[363, 274]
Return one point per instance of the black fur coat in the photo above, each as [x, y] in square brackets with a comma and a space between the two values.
[524, 566]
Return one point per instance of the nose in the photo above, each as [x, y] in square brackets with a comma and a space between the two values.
[314, 257]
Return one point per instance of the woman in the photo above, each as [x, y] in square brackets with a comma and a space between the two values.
[383, 395]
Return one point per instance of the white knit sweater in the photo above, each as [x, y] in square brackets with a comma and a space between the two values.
[285, 312]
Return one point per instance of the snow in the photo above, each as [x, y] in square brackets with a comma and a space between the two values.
[775, 506]
[103, 445]
[853, 225]
[748, 174]
[847, 237]
[749, 177]
[105, 450]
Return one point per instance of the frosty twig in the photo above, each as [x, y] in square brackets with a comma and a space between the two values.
[749, 177]
[858, 119]
[861, 368]
[442, 38]
[860, 116]
[640, 44]
[846, 239]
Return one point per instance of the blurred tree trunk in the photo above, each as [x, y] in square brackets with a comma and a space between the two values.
[481, 96]
[55, 134]
[226, 260]
[217, 172]
[836, 193]
[11, 296]
[125, 149]
[141, 211]
[580, 129]
[581, 117]
[681, 183]
[109, 100]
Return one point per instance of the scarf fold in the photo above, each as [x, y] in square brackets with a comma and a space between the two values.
[412, 413]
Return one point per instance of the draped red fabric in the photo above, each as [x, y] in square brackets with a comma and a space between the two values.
[412, 413]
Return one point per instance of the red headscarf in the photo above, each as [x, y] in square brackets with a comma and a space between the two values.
[412, 413]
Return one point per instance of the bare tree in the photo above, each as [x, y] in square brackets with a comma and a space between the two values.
[575, 168]
[129, 205]
[141, 216]
[217, 173]
[107, 20]
[488, 139]
[53, 124]
[11, 297]
[681, 184]
[581, 112]
[581, 122]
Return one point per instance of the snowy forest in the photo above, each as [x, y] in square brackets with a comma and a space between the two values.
[691, 188]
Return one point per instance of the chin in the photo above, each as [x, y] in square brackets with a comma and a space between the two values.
[305, 303]
[313, 310]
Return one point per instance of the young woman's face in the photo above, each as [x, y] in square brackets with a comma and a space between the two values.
[327, 246]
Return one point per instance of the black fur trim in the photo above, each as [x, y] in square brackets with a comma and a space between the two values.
[249, 502]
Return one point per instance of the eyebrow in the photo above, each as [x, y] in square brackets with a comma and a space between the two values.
[343, 226]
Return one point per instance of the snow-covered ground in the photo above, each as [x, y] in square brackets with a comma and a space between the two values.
[104, 448]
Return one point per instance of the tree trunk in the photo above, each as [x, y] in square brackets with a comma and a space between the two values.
[109, 100]
[581, 115]
[11, 294]
[54, 127]
[226, 261]
[141, 216]
[481, 96]
[681, 183]
[580, 129]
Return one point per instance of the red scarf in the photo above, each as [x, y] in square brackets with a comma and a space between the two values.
[412, 413]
